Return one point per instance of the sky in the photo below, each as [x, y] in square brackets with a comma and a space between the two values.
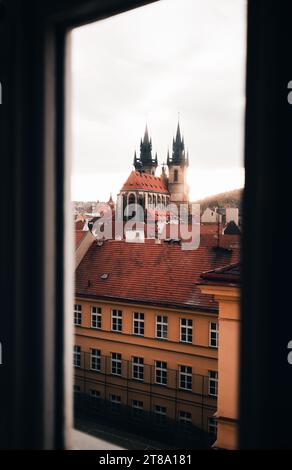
[171, 59]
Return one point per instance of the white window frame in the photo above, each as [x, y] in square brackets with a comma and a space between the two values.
[76, 355]
[116, 402]
[186, 373]
[137, 407]
[95, 356]
[213, 383]
[96, 317]
[118, 363]
[117, 320]
[162, 322]
[212, 427]
[140, 322]
[161, 371]
[184, 417]
[160, 412]
[189, 327]
[138, 366]
[213, 334]
[95, 394]
[77, 315]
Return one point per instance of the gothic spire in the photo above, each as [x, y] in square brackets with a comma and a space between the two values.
[178, 136]
[146, 136]
[178, 149]
[146, 149]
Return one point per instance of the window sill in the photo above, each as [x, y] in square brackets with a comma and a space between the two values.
[83, 441]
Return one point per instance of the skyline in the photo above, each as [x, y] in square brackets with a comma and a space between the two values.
[119, 85]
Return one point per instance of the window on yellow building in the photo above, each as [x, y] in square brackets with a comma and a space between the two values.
[138, 368]
[212, 428]
[185, 377]
[116, 402]
[95, 317]
[95, 398]
[213, 383]
[95, 359]
[161, 372]
[186, 330]
[138, 324]
[160, 413]
[116, 360]
[117, 321]
[185, 417]
[137, 408]
[161, 326]
[76, 355]
[213, 334]
[77, 314]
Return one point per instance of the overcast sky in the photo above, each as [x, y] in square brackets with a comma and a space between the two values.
[149, 64]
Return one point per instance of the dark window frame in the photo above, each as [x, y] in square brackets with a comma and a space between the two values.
[32, 40]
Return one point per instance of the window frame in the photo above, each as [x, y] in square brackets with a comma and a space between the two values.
[117, 320]
[216, 332]
[161, 373]
[95, 357]
[118, 362]
[138, 366]
[214, 381]
[140, 321]
[267, 145]
[162, 324]
[186, 375]
[187, 328]
[77, 313]
[96, 316]
[76, 355]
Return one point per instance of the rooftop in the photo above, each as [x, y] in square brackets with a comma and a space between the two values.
[227, 275]
[161, 274]
[145, 182]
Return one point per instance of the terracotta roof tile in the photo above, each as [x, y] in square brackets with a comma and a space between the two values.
[79, 235]
[161, 274]
[144, 181]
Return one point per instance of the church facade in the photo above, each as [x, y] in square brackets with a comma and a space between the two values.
[143, 187]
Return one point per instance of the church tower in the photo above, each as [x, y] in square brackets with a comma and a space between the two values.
[146, 163]
[177, 169]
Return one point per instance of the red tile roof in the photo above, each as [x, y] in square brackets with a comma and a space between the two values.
[79, 235]
[229, 275]
[159, 274]
[79, 224]
[145, 182]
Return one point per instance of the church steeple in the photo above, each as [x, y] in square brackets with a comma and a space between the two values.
[177, 168]
[178, 150]
[146, 162]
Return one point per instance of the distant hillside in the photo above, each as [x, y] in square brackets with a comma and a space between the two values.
[229, 199]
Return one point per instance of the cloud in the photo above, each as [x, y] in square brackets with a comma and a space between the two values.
[173, 56]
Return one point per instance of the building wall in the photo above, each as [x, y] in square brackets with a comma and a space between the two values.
[228, 363]
[179, 190]
[198, 355]
[232, 214]
[210, 216]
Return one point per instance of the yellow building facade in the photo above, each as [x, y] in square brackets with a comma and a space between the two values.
[177, 372]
